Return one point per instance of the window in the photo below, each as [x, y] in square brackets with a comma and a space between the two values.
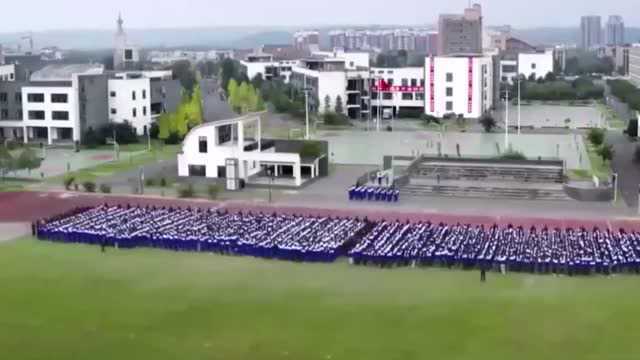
[419, 96]
[134, 112]
[144, 111]
[374, 96]
[405, 82]
[144, 94]
[449, 77]
[35, 98]
[390, 82]
[133, 95]
[11, 76]
[387, 96]
[407, 96]
[18, 97]
[202, 144]
[3, 97]
[59, 98]
[112, 94]
[449, 91]
[60, 115]
[4, 114]
[449, 106]
[128, 54]
[422, 82]
[36, 115]
[114, 111]
[414, 82]
[533, 66]
[19, 114]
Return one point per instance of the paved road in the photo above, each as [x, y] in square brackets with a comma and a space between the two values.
[214, 108]
[628, 170]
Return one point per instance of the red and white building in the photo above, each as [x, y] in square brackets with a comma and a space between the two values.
[460, 85]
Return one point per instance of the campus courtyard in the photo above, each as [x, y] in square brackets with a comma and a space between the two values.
[540, 116]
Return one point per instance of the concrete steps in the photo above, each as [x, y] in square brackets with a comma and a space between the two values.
[489, 173]
[488, 191]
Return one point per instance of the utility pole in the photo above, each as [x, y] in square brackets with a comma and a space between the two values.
[506, 120]
[306, 112]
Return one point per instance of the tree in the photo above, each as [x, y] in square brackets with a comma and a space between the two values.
[596, 137]
[550, 77]
[606, 152]
[28, 159]
[232, 93]
[6, 161]
[257, 81]
[327, 104]
[91, 139]
[632, 128]
[339, 108]
[164, 126]
[488, 123]
[183, 71]
[532, 77]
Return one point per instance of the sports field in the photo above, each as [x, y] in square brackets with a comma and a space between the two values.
[61, 301]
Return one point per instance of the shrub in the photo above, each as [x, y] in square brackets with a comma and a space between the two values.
[429, 118]
[513, 155]
[606, 152]
[411, 113]
[154, 131]
[632, 128]
[125, 133]
[89, 186]
[163, 182]
[213, 190]
[333, 118]
[91, 139]
[149, 182]
[311, 149]
[488, 123]
[68, 181]
[173, 139]
[105, 189]
[596, 137]
[186, 191]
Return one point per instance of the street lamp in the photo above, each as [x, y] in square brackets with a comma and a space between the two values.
[270, 174]
[306, 111]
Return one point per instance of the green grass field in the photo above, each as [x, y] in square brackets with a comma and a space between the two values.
[72, 302]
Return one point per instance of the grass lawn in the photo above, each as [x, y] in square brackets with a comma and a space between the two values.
[72, 302]
[130, 158]
[599, 168]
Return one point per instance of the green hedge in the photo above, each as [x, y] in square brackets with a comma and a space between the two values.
[625, 91]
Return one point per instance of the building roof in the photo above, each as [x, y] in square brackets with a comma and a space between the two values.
[65, 72]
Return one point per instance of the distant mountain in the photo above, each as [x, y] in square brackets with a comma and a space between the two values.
[255, 40]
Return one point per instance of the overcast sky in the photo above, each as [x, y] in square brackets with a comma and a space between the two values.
[37, 15]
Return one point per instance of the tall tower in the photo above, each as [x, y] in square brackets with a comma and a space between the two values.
[590, 31]
[119, 43]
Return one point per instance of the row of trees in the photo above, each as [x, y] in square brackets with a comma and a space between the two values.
[172, 127]
[550, 89]
[626, 92]
[586, 63]
[124, 132]
[244, 98]
[26, 159]
[597, 138]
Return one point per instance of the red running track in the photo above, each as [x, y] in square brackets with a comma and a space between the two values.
[30, 206]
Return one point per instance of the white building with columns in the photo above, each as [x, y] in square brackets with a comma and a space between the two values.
[235, 151]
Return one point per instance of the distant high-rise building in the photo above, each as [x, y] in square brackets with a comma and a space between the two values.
[461, 34]
[590, 32]
[615, 30]
[306, 40]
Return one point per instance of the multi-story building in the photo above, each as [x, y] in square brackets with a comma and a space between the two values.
[265, 64]
[427, 43]
[308, 40]
[615, 31]
[139, 98]
[57, 103]
[420, 40]
[335, 77]
[634, 64]
[460, 33]
[397, 89]
[590, 32]
[459, 85]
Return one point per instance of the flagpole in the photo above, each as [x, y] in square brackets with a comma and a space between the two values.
[519, 100]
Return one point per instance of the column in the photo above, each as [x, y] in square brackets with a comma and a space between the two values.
[296, 173]
[25, 135]
[49, 136]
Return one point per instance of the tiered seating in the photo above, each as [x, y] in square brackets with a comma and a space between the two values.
[569, 251]
[493, 172]
[372, 193]
[270, 236]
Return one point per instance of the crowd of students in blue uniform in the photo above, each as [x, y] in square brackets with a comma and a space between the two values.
[287, 237]
[324, 239]
[534, 250]
[373, 193]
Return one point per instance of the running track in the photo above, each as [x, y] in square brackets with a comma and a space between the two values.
[30, 206]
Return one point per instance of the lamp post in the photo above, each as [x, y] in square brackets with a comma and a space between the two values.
[306, 111]
[506, 120]
[270, 173]
[519, 100]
